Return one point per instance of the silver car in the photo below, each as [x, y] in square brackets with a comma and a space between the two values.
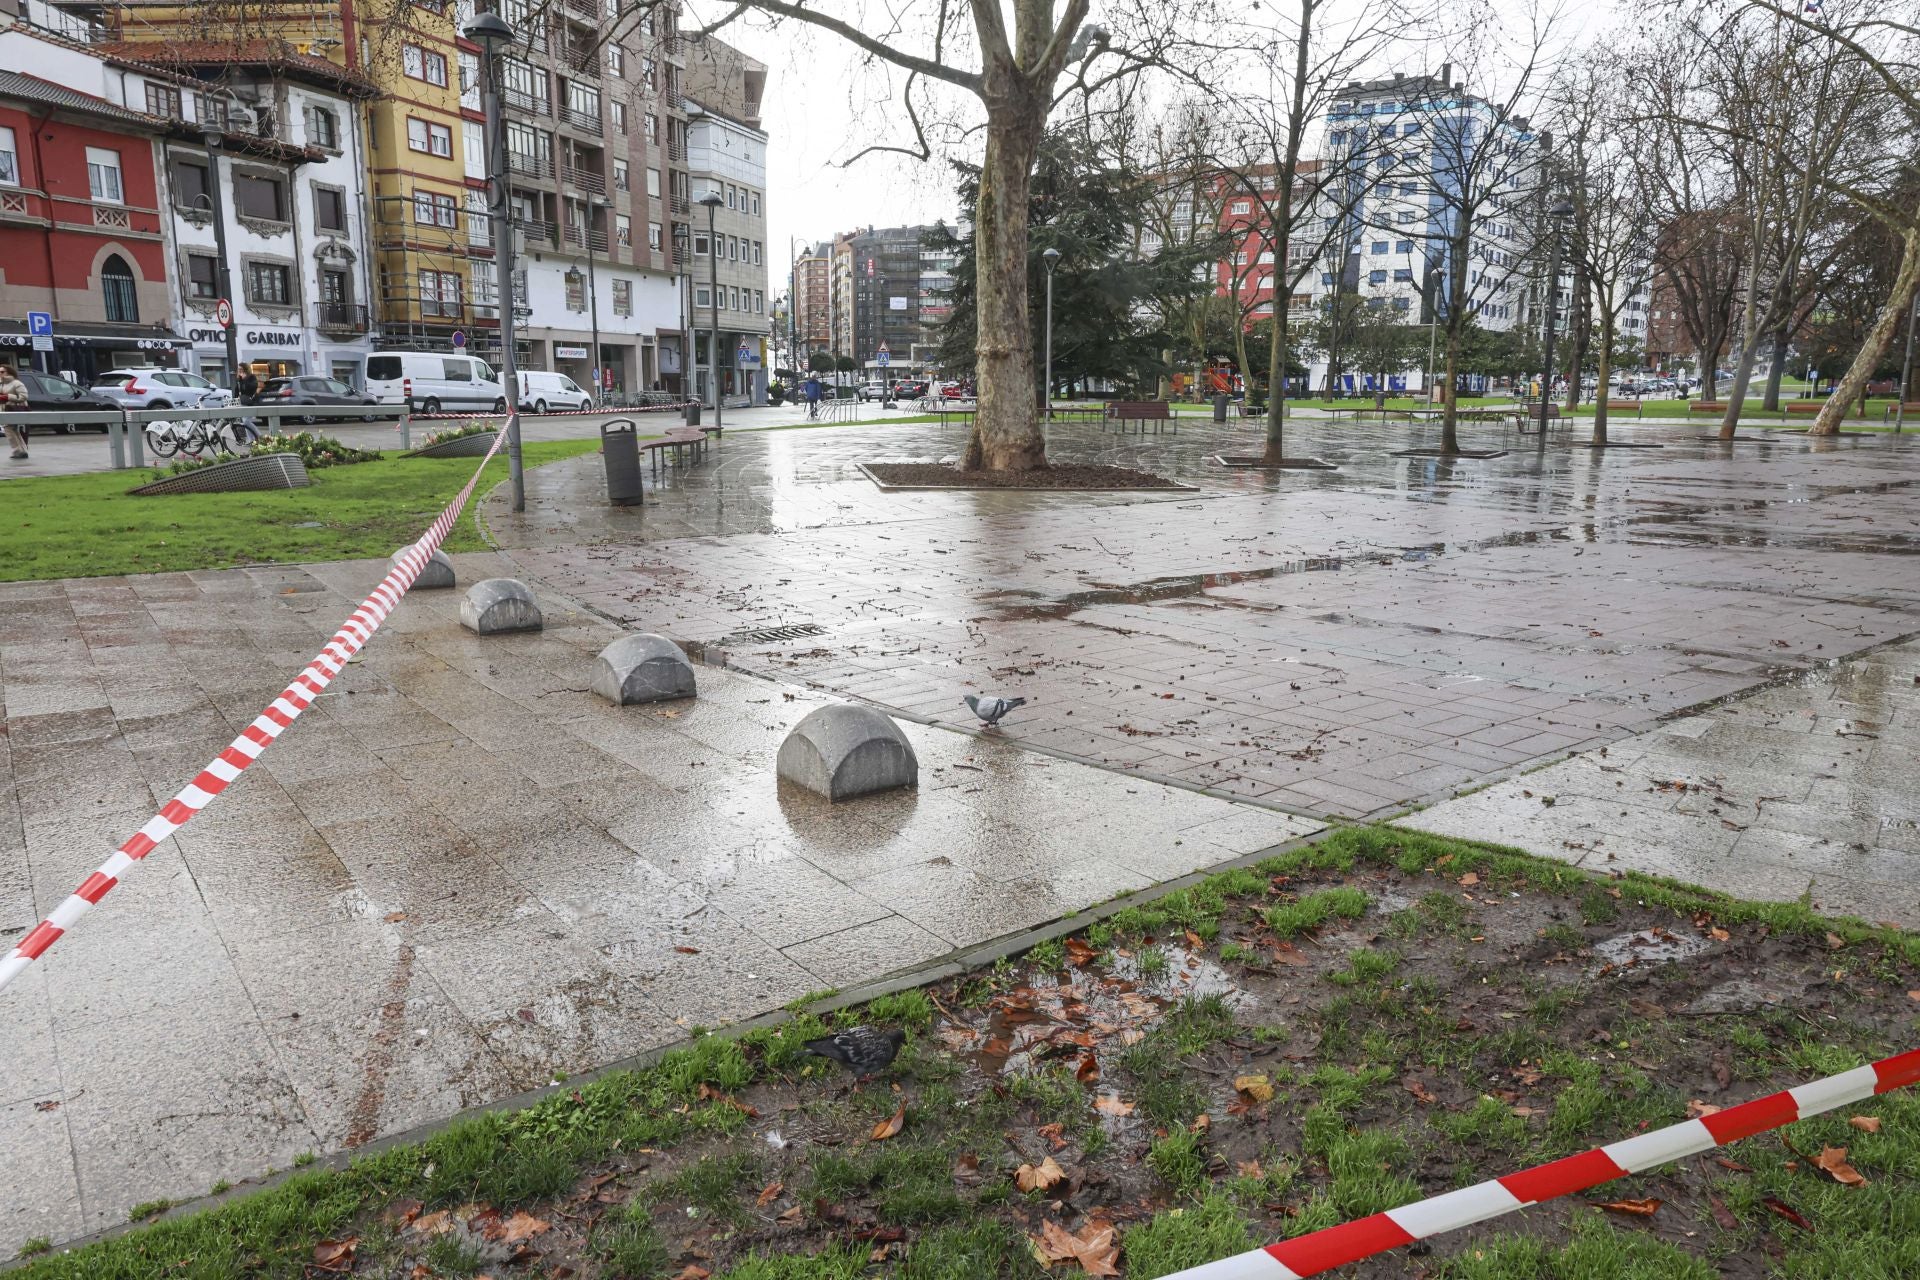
[160, 389]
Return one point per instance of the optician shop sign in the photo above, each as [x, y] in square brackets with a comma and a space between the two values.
[251, 337]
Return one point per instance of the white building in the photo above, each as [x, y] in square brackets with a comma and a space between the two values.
[728, 158]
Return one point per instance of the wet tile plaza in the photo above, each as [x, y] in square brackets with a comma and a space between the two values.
[460, 874]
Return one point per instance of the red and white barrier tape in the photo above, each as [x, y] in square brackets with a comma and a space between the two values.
[1322, 1251]
[253, 740]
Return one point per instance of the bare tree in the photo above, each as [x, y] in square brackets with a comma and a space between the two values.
[1011, 56]
[1184, 211]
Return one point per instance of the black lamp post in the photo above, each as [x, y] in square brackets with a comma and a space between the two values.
[712, 201]
[490, 31]
[1051, 257]
[1559, 213]
[211, 139]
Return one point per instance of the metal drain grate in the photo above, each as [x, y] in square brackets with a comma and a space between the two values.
[767, 635]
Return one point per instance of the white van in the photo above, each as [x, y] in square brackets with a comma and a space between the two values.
[552, 393]
[427, 381]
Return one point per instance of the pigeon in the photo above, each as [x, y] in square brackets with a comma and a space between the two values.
[862, 1050]
[990, 710]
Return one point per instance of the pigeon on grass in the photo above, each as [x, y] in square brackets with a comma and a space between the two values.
[865, 1051]
[990, 710]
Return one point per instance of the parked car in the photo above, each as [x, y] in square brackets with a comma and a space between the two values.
[311, 390]
[910, 389]
[955, 391]
[872, 391]
[552, 393]
[50, 393]
[160, 389]
[428, 381]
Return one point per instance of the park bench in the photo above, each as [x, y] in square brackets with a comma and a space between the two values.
[1536, 414]
[1805, 406]
[1137, 415]
[679, 443]
[1912, 410]
[1622, 406]
[1703, 407]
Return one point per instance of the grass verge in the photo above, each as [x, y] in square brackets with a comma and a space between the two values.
[1481, 1010]
[89, 525]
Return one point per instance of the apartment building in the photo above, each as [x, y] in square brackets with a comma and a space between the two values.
[813, 301]
[727, 160]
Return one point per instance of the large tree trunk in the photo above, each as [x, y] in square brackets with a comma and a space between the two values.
[1606, 370]
[1007, 434]
[1854, 382]
[1276, 390]
[1771, 401]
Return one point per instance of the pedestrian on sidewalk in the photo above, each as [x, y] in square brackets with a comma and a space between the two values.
[811, 391]
[13, 399]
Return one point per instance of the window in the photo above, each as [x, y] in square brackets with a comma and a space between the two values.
[1379, 246]
[620, 175]
[1326, 277]
[470, 81]
[103, 175]
[733, 299]
[759, 301]
[733, 248]
[431, 209]
[622, 229]
[258, 197]
[576, 291]
[649, 74]
[211, 110]
[1405, 215]
[329, 209]
[1266, 256]
[700, 245]
[1403, 304]
[701, 296]
[584, 99]
[1376, 277]
[9, 159]
[190, 185]
[654, 234]
[730, 195]
[333, 287]
[653, 183]
[203, 277]
[1403, 273]
[1403, 246]
[616, 60]
[423, 64]
[269, 283]
[650, 127]
[323, 128]
[1410, 127]
[756, 253]
[619, 115]
[756, 204]
[479, 219]
[163, 101]
[456, 370]
[440, 296]
[116, 281]
[623, 297]
[1240, 258]
[434, 139]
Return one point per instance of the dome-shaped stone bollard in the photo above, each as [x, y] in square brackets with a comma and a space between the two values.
[843, 751]
[499, 605]
[641, 668]
[436, 575]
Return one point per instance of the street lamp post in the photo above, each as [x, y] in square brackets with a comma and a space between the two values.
[490, 31]
[683, 254]
[1051, 257]
[1905, 393]
[1559, 213]
[712, 201]
[211, 139]
[593, 299]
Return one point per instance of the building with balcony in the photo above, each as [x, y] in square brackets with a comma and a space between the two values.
[727, 159]
[82, 234]
[812, 301]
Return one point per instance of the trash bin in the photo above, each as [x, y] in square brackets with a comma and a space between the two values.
[1220, 408]
[620, 452]
[693, 415]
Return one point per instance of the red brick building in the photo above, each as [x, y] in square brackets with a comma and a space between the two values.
[80, 232]
[1251, 271]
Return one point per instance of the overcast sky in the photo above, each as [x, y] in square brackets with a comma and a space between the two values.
[826, 101]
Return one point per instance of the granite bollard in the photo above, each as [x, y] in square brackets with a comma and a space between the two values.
[499, 605]
[842, 751]
[435, 575]
[642, 668]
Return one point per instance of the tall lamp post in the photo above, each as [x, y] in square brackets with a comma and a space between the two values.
[712, 201]
[1051, 257]
[490, 31]
[211, 139]
[683, 257]
[1559, 213]
[602, 204]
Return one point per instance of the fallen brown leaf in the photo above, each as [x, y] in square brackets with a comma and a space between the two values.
[1913, 995]
[1470, 879]
[693, 1272]
[966, 1169]
[1194, 942]
[1088, 1072]
[394, 917]
[1249, 1169]
[767, 1194]
[1028, 1178]
[1698, 1110]
[1835, 941]
[1718, 934]
[891, 1126]
[1054, 1133]
[1288, 954]
[1865, 1124]
[437, 1223]
[1637, 1208]
[1418, 1088]
[1080, 953]
[1201, 1123]
[1093, 1247]
[1787, 1211]
[1733, 1166]
[335, 1255]
[688, 951]
[1110, 1104]
[402, 1211]
[1722, 1214]
[1257, 1088]
[1833, 1162]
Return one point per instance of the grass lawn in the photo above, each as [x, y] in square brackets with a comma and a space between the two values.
[1341, 1029]
[88, 525]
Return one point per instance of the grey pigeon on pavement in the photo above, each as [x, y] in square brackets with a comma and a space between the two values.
[990, 710]
[862, 1050]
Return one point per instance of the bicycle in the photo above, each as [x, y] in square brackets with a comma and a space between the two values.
[196, 438]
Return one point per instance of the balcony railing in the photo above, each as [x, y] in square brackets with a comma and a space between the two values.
[585, 121]
[585, 8]
[346, 317]
[581, 238]
[676, 150]
[515, 100]
[531, 166]
[680, 204]
[583, 180]
[537, 232]
[112, 216]
[584, 62]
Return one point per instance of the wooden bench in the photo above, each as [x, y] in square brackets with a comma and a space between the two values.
[1622, 406]
[1911, 408]
[1805, 406]
[1714, 407]
[1537, 415]
[678, 441]
[1124, 415]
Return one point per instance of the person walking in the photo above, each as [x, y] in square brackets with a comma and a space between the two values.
[246, 390]
[13, 399]
[811, 391]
